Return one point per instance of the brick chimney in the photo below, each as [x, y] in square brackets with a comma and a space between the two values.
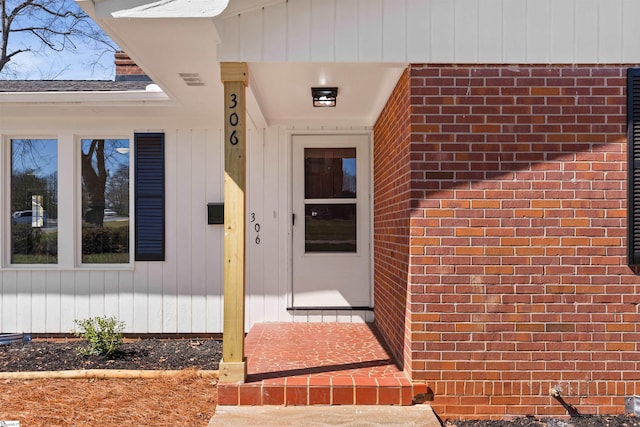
[127, 70]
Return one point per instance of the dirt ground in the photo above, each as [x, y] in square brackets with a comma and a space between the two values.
[58, 355]
[185, 400]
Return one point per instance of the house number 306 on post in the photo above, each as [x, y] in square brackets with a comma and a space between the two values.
[233, 119]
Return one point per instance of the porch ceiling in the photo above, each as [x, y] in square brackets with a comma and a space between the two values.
[279, 93]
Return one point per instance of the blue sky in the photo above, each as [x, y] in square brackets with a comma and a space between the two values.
[65, 65]
[86, 61]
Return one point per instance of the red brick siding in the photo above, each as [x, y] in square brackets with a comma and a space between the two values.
[392, 177]
[126, 66]
[517, 278]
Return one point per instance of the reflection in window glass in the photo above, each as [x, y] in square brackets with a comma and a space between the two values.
[34, 201]
[330, 173]
[330, 228]
[105, 201]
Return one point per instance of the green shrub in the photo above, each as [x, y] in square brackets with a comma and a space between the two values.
[104, 335]
[26, 239]
[99, 240]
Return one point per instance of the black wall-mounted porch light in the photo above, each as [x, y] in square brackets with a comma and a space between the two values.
[324, 96]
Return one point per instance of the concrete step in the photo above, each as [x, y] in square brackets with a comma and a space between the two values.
[320, 415]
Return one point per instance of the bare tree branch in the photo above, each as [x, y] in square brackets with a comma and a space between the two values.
[40, 25]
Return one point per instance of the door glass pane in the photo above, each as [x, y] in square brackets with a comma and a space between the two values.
[105, 201]
[330, 228]
[34, 201]
[330, 173]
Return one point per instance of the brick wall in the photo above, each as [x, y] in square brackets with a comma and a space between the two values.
[517, 278]
[125, 65]
[392, 175]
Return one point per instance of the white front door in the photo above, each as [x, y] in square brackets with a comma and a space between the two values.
[331, 221]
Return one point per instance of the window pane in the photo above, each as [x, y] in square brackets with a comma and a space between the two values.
[34, 201]
[330, 173]
[105, 201]
[330, 228]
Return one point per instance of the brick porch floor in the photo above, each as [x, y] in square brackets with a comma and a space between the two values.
[318, 364]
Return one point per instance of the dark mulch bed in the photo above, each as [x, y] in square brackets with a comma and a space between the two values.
[42, 355]
[578, 421]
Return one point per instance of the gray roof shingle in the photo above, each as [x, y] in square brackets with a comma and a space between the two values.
[71, 85]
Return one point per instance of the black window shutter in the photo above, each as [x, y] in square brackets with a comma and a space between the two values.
[149, 196]
[633, 157]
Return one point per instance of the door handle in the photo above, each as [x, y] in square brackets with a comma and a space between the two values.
[293, 219]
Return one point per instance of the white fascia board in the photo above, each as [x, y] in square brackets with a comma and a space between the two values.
[243, 6]
[160, 8]
[106, 98]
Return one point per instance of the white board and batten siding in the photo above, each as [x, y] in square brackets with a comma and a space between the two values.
[183, 294]
[434, 31]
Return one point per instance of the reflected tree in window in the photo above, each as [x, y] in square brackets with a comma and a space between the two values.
[105, 200]
[94, 181]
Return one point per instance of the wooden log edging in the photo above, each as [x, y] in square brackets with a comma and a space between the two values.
[105, 374]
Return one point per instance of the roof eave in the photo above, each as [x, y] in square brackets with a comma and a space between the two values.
[89, 97]
[159, 8]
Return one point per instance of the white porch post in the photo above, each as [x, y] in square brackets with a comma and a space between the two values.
[234, 76]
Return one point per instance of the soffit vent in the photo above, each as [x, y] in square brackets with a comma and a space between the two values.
[192, 79]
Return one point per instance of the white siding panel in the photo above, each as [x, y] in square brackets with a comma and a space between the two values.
[23, 280]
[173, 214]
[53, 307]
[586, 31]
[275, 287]
[38, 301]
[140, 297]
[631, 31]
[96, 293]
[67, 300]
[111, 288]
[323, 30]
[126, 301]
[251, 38]
[538, 31]
[255, 279]
[299, 30]
[514, 31]
[154, 297]
[442, 31]
[229, 49]
[9, 304]
[466, 30]
[562, 31]
[490, 31]
[215, 233]
[274, 39]
[484, 31]
[370, 30]
[198, 230]
[184, 205]
[394, 42]
[346, 40]
[610, 31]
[82, 295]
[418, 30]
